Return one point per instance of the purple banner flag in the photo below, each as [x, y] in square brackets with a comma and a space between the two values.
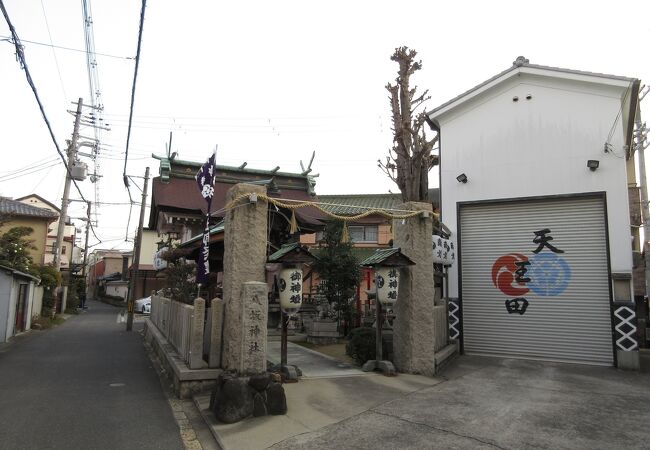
[205, 179]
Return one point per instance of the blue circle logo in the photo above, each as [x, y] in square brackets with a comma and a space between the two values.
[549, 274]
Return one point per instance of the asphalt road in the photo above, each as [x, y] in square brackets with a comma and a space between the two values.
[86, 384]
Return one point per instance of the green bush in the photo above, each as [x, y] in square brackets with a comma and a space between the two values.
[362, 345]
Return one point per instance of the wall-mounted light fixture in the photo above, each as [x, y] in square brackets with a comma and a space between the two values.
[462, 178]
[593, 164]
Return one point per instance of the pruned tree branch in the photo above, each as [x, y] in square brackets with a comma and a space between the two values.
[409, 161]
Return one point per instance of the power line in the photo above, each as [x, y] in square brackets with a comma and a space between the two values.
[20, 55]
[135, 78]
[28, 167]
[7, 38]
[24, 174]
[56, 60]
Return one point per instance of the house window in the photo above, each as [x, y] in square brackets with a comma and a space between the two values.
[63, 250]
[366, 233]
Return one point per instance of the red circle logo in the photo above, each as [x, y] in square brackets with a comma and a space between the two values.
[503, 275]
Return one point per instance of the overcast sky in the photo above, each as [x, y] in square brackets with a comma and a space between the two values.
[272, 81]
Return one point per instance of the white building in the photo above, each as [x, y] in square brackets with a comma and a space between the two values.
[544, 242]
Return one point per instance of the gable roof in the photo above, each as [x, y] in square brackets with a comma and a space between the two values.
[522, 65]
[47, 202]
[11, 208]
[389, 257]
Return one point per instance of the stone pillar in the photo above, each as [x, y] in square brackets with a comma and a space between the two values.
[244, 260]
[216, 331]
[413, 329]
[196, 334]
[252, 351]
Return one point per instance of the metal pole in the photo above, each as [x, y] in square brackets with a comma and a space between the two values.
[640, 138]
[136, 255]
[379, 354]
[72, 149]
[283, 341]
[83, 269]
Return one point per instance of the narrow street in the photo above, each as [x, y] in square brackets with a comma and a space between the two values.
[85, 384]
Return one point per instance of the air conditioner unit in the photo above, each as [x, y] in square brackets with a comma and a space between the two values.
[78, 171]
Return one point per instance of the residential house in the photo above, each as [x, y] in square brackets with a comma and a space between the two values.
[535, 165]
[17, 214]
[69, 232]
[17, 292]
[148, 279]
[107, 272]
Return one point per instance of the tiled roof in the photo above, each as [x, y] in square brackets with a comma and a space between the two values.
[301, 252]
[379, 256]
[14, 208]
[357, 203]
[360, 253]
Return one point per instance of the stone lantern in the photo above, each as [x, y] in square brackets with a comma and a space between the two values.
[386, 264]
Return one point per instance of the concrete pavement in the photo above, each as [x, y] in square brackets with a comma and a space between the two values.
[475, 403]
[86, 384]
[506, 404]
[312, 363]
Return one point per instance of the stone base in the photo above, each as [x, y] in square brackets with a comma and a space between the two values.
[290, 372]
[236, 398]
[385, 367]
[186, 381]
[627, 360]
[445, 355]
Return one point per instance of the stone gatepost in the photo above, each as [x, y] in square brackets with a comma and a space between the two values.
[244, 261]
[413, 329]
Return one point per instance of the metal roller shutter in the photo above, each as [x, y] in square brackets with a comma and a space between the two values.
[562, 311]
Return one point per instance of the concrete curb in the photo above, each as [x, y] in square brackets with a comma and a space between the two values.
[201, 401]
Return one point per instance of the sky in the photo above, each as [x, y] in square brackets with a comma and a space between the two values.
[270, 82]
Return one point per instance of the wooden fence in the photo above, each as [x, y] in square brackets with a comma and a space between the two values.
[182, 325]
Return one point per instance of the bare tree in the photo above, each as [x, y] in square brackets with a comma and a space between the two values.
[409, 161]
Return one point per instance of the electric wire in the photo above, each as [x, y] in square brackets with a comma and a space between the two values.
[7, 38]
[56, 60]
[95, 92]
[135, 78]
[43, 178]
[2, 180]
[23, 63]
[608, 145]
[28, 167]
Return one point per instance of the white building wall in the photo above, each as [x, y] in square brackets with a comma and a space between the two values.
[11, 317]
[37, 305]
[537, 147]
[118, 289]
[149, 246]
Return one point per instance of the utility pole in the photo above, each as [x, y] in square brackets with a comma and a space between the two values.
[136, 254]
[71, 152]
[640, 134]
[83, 269]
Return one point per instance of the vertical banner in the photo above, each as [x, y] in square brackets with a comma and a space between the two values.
[205, 179]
